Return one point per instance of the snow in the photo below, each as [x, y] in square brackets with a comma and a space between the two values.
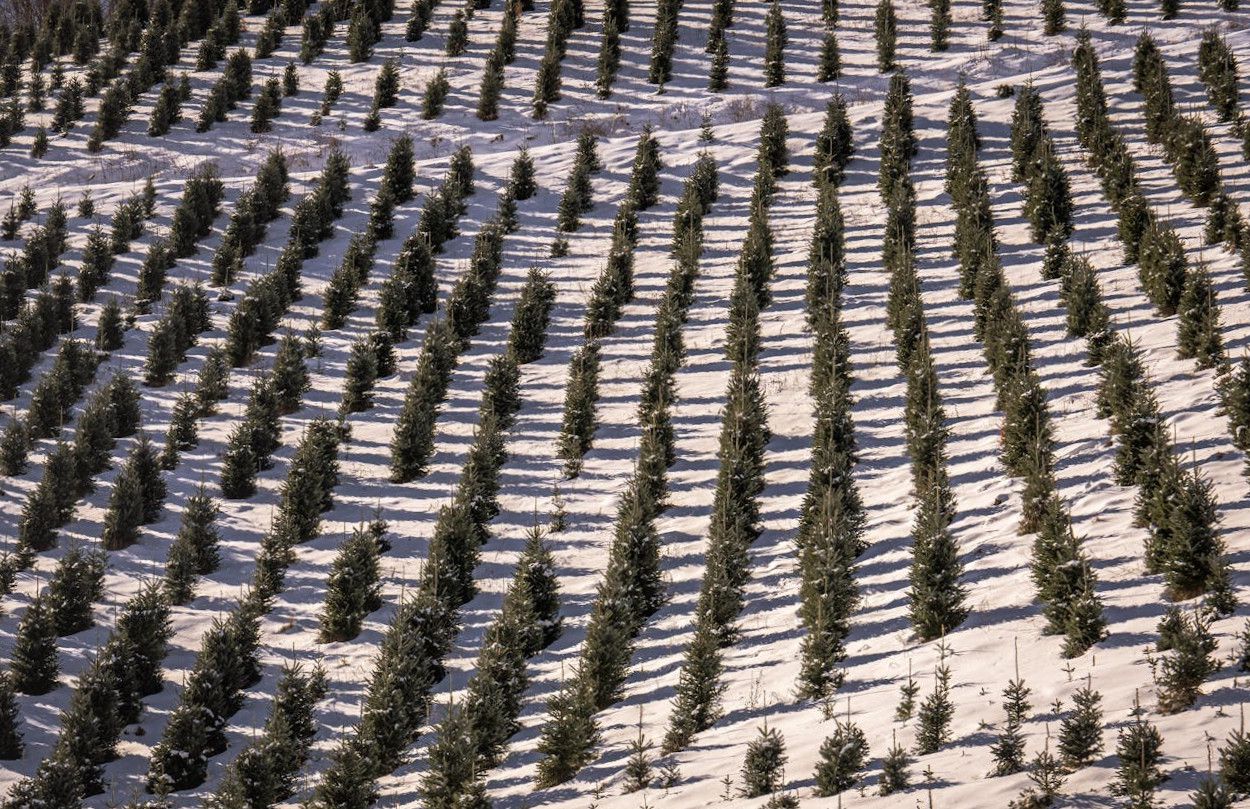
[761, 668]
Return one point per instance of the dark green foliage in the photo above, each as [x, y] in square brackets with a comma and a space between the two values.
[894, 770]
[137, 497]
[829, 68]
[264, 772]
[580, 395]
[251, 442]
[1217, 67]
[434, 95]
[765, 761]
[843, 757]
[1187, 664]
[290, 374]
[773, 133]
[76, 584]
[267, 106]
[644, 180]
[111, 330]
[457, 35]
[33, 664]
[386, 86]
[194, 550]
[936, 711]
[1008, 750]
[11, 746]
[1139, 749]
[531, 316]
[774, 46]
[1198, 331]
[1080, 734]
[663, 40]
[1235, 761]
[1053, 18]
[1162, 267]
[521, 176]
[353, 589]
[225, 665]
[886, 31]
[360, 375]
[410, 291]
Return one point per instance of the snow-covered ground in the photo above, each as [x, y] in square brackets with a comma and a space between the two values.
[760, 669]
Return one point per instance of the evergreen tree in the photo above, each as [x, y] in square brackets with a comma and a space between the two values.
[1235, 760]
[457, 34]
[386, 86]
[843, 757]
[773, 133]
[490, 88]
[1138, 748]
[110, 332]
[829, 68]
[353, 589]
[1046, 773]
[77, 582]
[34, 666]
[936, 711]
[1198, 331]
[521, 176]
[774, 47]
[1188, 663]
[894, 769]
[11, 746]
[267, 106]
[1052, 17]
[718, 74]
[939, 24]
[289, 375]
[638, 768]
[435, 94]
[764, 765]
[1008, 750]
[886, 28]
[1080, 734]
[531, 317]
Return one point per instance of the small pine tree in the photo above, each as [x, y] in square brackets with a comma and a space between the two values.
[1138, 748]
[353, 589]
[843, 757]
[936, 711]
[457, 35]
[435, 94]
[39, 145]
[774, 47]
[894, 769]
[1235, 759]
[267, 106]
[1052, 17]
[764, 765]
[1186, 666]
[11, 746]
[886, 29]
[386, 86]
[907, 697]
[829, 68]
[638, 767]
[34, 663]
[111, 330]
[1008, 750]
[939, 24]
[290, 80]
[1198, 331]
[1080, 734]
